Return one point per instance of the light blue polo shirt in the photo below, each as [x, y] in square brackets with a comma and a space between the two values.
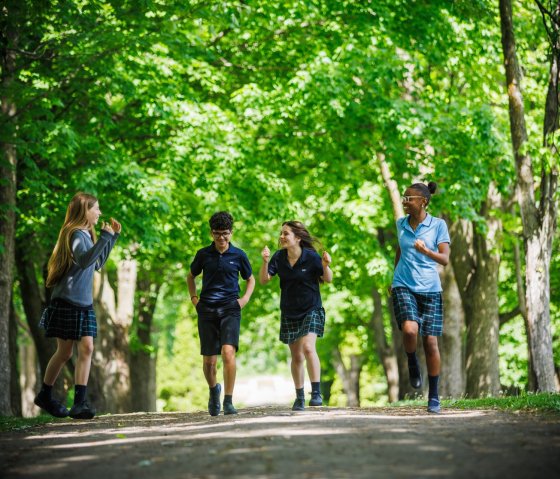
[415, 270]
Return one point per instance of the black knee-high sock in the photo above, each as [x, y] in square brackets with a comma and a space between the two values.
[80, 392]
[228, 399]
[300, 393]
[433, 387]
[46, 391]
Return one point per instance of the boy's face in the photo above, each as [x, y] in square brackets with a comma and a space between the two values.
[221, 238]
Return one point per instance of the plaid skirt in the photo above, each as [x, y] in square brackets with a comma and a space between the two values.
[66, 321]
[291, 329]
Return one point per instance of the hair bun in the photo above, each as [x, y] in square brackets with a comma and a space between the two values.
[432, 187]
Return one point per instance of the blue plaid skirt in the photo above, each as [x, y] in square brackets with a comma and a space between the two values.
[66, 321]
[291, 329]
[424, 308]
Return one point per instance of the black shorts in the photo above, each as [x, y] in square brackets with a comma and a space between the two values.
[218, 324]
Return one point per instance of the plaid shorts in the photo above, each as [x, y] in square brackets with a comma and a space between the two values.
[63, 320]
[291, 329]
[424, 308]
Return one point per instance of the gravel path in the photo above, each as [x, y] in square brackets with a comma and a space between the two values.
[271, 442]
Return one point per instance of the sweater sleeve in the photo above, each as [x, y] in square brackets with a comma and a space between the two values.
[106, 250]
[85, 257]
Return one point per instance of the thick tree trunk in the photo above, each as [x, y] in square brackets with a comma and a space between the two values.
[8, 169]
[109, 385]
[538, 222]
[143, 359]
[385, 350]
[350, 377]
[452, 376]
[476, 262]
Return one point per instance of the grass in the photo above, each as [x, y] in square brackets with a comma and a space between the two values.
[542, 402]
[8, 423]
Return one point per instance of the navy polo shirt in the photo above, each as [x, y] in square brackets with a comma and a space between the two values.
[299, 284]
[220, 282]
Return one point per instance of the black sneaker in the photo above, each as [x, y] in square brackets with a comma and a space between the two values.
[229, 409]
[52, 406]
[433, 405]
[316, 399]
[299, 404]
[82, 410]
[415, 376]
[214, 400]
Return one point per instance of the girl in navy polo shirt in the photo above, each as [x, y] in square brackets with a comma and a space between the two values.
[416, 288]
[300, 269]
[70, 317]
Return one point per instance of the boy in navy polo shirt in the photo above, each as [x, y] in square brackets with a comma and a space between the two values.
[219, 306]
[416, 288]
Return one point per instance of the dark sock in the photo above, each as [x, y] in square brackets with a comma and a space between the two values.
[433, 387]
[300, 393]
[316, 388]
[214, 388]
[79, 393]
[228, 399]
[46, 391]
[412, 359]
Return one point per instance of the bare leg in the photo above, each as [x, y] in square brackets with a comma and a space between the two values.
[410, 334]
[311, 357]
[432, 355]
[228, 357]
[209, 368]
[83, 364]
[297, 366]
[62, 354]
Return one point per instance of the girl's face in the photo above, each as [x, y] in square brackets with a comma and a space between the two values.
[288, 238]
[93, 214]
[413, 202]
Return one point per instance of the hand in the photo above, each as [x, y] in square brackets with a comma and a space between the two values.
[242, 302]
[107, 227]
[421, 246]
[326, 258]
[265, 253]
[195, 300]
[115, 225]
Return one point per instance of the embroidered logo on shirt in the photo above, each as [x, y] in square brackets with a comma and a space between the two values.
[232, 262]
[303, 270]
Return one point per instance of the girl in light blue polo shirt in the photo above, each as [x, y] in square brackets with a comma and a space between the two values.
[416, 288]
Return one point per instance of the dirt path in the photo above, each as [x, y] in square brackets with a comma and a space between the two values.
[276, 443]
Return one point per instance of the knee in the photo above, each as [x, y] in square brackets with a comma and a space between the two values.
[64, 354]
[308, 350]
[209, 362]
[409, 334]
[86, 349]
[298, 357]
[431, 347]
[228, 354]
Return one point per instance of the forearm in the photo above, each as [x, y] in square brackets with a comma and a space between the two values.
[263, 273]
[327, 274]
[191, 284]
[250, 288]
[440, 258]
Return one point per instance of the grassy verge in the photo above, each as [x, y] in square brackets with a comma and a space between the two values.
[21, 423]
[543, 402]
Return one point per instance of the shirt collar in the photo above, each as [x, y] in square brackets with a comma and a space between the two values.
[426, 222]
[230, 249]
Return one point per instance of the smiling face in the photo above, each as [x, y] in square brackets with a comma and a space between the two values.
[288, 238]
[413, 202]
[93, 214]
[221, 239]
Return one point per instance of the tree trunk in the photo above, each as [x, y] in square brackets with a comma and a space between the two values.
[8, 169]
[538, 222]
[350, 376]
[109, 385]
[476, 261]
[143, 359]
[33, 299]
[385, 350]
[452, 375]
[15, 386]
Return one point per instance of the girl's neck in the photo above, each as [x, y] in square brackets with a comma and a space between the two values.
[294, 252]
[417, 219]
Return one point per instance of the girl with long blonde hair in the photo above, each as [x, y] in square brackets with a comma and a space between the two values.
[70, 317]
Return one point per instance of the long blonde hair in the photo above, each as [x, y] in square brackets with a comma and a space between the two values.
[76, 219]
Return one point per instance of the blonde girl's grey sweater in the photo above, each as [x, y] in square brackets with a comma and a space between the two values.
[76, 286]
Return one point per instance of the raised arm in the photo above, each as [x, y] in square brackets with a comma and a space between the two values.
[264, 277]
[327, 272]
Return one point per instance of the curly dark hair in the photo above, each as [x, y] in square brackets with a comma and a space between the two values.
[426, 190]
[221, 220]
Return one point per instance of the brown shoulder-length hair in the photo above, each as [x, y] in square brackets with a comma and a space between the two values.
[300, 231]
[76, 219]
